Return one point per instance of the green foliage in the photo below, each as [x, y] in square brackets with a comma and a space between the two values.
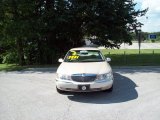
[152, 41]
[1, 58]
[125, 57]
[10, 57]
[145, 36]
[40, 31]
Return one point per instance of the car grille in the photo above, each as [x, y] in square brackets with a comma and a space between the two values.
[83, 77]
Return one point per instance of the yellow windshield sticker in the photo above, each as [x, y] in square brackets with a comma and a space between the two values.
[74, 53]
[73, 57]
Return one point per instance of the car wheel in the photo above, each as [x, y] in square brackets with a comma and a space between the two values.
[109, 90]
[60, 91]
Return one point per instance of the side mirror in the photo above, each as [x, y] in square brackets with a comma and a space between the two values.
[108, 59]
[60, 60]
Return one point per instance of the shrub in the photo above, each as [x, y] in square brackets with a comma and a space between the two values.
[10, 57]
[152, 41]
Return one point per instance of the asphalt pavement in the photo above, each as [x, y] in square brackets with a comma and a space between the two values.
[143, 46]
[31, 95]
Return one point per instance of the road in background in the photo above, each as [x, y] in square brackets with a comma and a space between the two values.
[135, 46]
[143, 46]
[31, 95]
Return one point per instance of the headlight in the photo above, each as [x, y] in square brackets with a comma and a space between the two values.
[63, 77]
[105, 76]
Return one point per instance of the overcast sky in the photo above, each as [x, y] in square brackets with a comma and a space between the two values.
[151, 20]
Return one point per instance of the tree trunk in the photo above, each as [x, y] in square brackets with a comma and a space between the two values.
[20, 52]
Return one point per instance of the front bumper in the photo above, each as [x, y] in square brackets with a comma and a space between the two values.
[93, 86]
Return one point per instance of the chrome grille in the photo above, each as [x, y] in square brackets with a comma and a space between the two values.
[83, 77]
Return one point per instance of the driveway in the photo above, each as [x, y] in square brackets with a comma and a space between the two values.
[31, 95]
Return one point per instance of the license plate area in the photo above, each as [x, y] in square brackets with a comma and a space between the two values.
[84, 87]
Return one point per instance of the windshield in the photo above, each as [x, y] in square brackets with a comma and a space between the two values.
[84, 56]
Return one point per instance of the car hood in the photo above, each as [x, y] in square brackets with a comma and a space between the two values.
[85, 67]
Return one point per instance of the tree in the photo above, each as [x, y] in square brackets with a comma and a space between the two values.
[16, 25]
[40, 31]
[112, 22]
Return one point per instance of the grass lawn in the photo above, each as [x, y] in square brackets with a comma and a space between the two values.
[130, 51]
[10, 67]
[128, 57]
[131, 57]
[13, 67]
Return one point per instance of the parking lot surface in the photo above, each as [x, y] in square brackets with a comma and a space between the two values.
[31, 95]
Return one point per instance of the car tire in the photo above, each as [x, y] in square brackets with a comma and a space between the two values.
[109, 90]
[60, 91]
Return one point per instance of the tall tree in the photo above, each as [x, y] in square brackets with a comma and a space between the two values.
[39, 31]
[111, 21]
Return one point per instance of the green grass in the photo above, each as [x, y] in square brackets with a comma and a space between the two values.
[128, 57]
[130, 51]
[14, 67]
[10, 67]
[131, 57]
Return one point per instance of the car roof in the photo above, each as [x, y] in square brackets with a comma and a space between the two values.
[85, 48]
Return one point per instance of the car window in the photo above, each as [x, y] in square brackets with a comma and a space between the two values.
[84, 56]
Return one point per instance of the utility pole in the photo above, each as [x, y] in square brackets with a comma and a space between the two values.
[139, 40]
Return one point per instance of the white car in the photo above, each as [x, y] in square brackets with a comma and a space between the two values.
[84, 70]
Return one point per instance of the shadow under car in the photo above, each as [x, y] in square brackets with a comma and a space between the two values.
[124, 90]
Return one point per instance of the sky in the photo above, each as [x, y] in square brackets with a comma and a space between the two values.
[151, 20]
